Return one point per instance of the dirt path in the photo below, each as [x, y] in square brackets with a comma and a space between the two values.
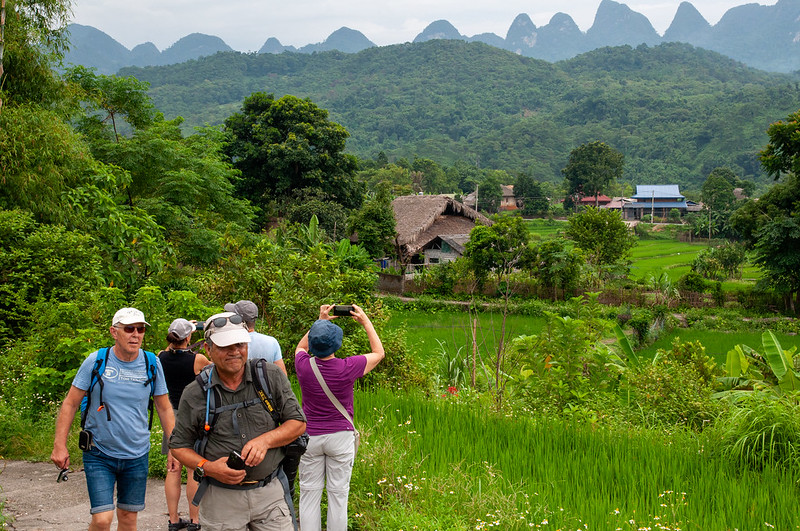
[36, 502]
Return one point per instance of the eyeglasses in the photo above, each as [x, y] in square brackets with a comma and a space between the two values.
[129, 329]
[221, 321]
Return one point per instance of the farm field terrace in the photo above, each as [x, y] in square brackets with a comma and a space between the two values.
[652, 257]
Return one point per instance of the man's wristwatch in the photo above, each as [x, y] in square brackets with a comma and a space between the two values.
[199, 473]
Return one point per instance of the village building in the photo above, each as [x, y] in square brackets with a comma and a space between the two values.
[599, 200]
[432, 229]
[656, 200]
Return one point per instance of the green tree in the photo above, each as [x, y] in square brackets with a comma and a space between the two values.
[717, 191]
[289, 144]
[782, 154]
[770, 225]
[375, 226]
[556, 265]
[531, 194]
[114, 96]
[500, 248]
[603, 237]
[591, 168]
[184, 183]
[490, 193]
[31, 42]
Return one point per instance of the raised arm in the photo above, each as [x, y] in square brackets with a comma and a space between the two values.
[377, 354]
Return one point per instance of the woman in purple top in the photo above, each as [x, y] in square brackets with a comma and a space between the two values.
[328, 461]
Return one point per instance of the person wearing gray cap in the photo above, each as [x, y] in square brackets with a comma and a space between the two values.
[328, 461]
[251, 493]
[115, 435]
[181, 365]
[261, 345]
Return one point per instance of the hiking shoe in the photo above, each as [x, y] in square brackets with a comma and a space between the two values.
[180, 524]
[193, 526]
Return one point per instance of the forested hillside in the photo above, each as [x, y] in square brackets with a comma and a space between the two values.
[676, 112]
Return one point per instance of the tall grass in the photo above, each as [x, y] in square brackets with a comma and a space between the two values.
[440, 465]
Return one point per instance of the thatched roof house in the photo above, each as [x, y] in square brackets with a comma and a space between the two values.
[425, 221]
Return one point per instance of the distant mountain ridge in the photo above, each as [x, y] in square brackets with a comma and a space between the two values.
[764, 37]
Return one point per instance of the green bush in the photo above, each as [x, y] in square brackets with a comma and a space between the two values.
[759, 430]
[692, 281]
[675, 390]
[640, 321]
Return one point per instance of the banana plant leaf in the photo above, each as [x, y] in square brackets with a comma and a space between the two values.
[624, 342]
[736, 364]
[775, 355]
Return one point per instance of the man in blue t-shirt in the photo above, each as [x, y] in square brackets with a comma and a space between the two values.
[261, 345]
[120, 444]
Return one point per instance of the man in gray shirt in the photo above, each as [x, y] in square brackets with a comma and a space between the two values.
[261, 345]
[253, 498]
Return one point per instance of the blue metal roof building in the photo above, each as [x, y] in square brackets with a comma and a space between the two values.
[655, 199]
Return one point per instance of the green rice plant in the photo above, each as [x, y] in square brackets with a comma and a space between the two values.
[436, 463]
[454, 367]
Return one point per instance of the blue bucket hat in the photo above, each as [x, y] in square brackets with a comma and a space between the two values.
[324, 338]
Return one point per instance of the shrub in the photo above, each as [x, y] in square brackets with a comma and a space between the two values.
[640, 321]
[759, 430]
[670, 392]
[692, 281]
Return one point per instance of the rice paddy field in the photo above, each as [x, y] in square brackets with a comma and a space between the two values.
[429, 463]
[716, 342]
[652, 257]
[428, 333]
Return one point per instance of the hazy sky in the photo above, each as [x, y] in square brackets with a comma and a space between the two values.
[246, 25]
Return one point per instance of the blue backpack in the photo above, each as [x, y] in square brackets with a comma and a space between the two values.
[151, 366]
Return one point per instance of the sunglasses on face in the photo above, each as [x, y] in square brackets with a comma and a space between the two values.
[221, 321]
[129, 329]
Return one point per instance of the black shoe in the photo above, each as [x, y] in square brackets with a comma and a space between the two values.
[193, 526]
[180, 524]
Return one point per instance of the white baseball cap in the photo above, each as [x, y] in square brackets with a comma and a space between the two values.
[225, 329]
[128, 316]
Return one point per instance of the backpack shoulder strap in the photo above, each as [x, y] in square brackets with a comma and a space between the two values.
[258, 367]
[213, 399]
[151, 370]
[96, 378]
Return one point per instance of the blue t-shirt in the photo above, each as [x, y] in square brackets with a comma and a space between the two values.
[126, 436]
[263, 346]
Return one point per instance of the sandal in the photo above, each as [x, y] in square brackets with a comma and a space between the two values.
[180, 524]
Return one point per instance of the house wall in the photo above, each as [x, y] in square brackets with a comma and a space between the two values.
[438, 256]
[391, 283]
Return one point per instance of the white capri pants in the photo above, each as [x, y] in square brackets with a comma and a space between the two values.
[327, 463]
